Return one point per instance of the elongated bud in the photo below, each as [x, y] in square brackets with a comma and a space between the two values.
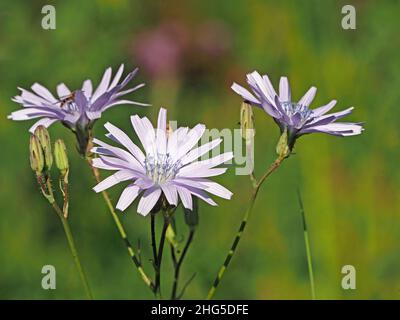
[192, 216]
[44, 138]
[247, 121]
[60, 156]
[282, 148]
[171, 236]
[36, 155]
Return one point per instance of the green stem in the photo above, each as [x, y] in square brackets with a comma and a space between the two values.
[153, 238]
[122, 232]
[47, 191]
[72, 247]
[275, 165]
[178, 264]
[307, 245]
[160, 255]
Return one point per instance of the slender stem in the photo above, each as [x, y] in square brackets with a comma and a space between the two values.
[178, 264]
[153, 239]
[307, 244]
[47, 191]
[173, 256]
[275, 165]
[154, 247]
[72, 247]
[122, 232]
[160, 255]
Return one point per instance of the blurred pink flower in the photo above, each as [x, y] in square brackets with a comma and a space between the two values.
[160, 51]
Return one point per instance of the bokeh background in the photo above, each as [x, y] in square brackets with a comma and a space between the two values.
[189, 53]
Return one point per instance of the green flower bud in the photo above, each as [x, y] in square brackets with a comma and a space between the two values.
[36, 155]
[192, 216]
[43, 135]
[282, 148]
[171, 236]
[246, 121]
[60, 156]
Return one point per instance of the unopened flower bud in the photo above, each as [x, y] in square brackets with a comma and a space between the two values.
[246, 121]
[44, 138]
[282, 148]
[60, 156]
[192, 216]
[36, 155]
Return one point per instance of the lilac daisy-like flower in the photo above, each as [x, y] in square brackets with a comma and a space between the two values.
[169, 168]
[295, 118]
[78, 109]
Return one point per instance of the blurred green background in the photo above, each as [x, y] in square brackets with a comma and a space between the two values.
[189, 53]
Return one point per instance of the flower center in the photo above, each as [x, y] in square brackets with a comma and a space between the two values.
[70, 107]
[161, 168]
[297, 113]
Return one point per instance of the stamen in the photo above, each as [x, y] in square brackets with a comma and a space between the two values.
[70, 107]
[161, 168]
[292, 108]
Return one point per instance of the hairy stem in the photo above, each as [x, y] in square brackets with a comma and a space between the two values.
[275, 165]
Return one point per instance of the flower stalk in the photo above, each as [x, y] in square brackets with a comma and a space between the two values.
[191, 220]
[121, 230]
[178, 264]
[256, 187]
[72, 247]
[307, 246]
[160, 254]
[41, 160]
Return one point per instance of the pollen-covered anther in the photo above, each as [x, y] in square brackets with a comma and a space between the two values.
[161, 168]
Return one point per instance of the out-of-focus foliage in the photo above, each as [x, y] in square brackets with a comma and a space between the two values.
[189, 53]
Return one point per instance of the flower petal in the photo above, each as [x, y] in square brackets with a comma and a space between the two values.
[170, 193]
[337, 128]
[107, 149]
[43, 92]
[122, 138]
[202, 195]
[63, 91]
[103, 86]
[308, 97]
[129, 195]
[216, 189]
[202, 172]
[265, 91]
[148, 200]
[206, 164]
[246, 95]
[117, 76]
[145, 133]
[191, 140]
[87, 88]
[200, 151]
[161, 138]
[114, 179]
[185, 197]
[284, 90]
[46, 122]
[324, 109]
